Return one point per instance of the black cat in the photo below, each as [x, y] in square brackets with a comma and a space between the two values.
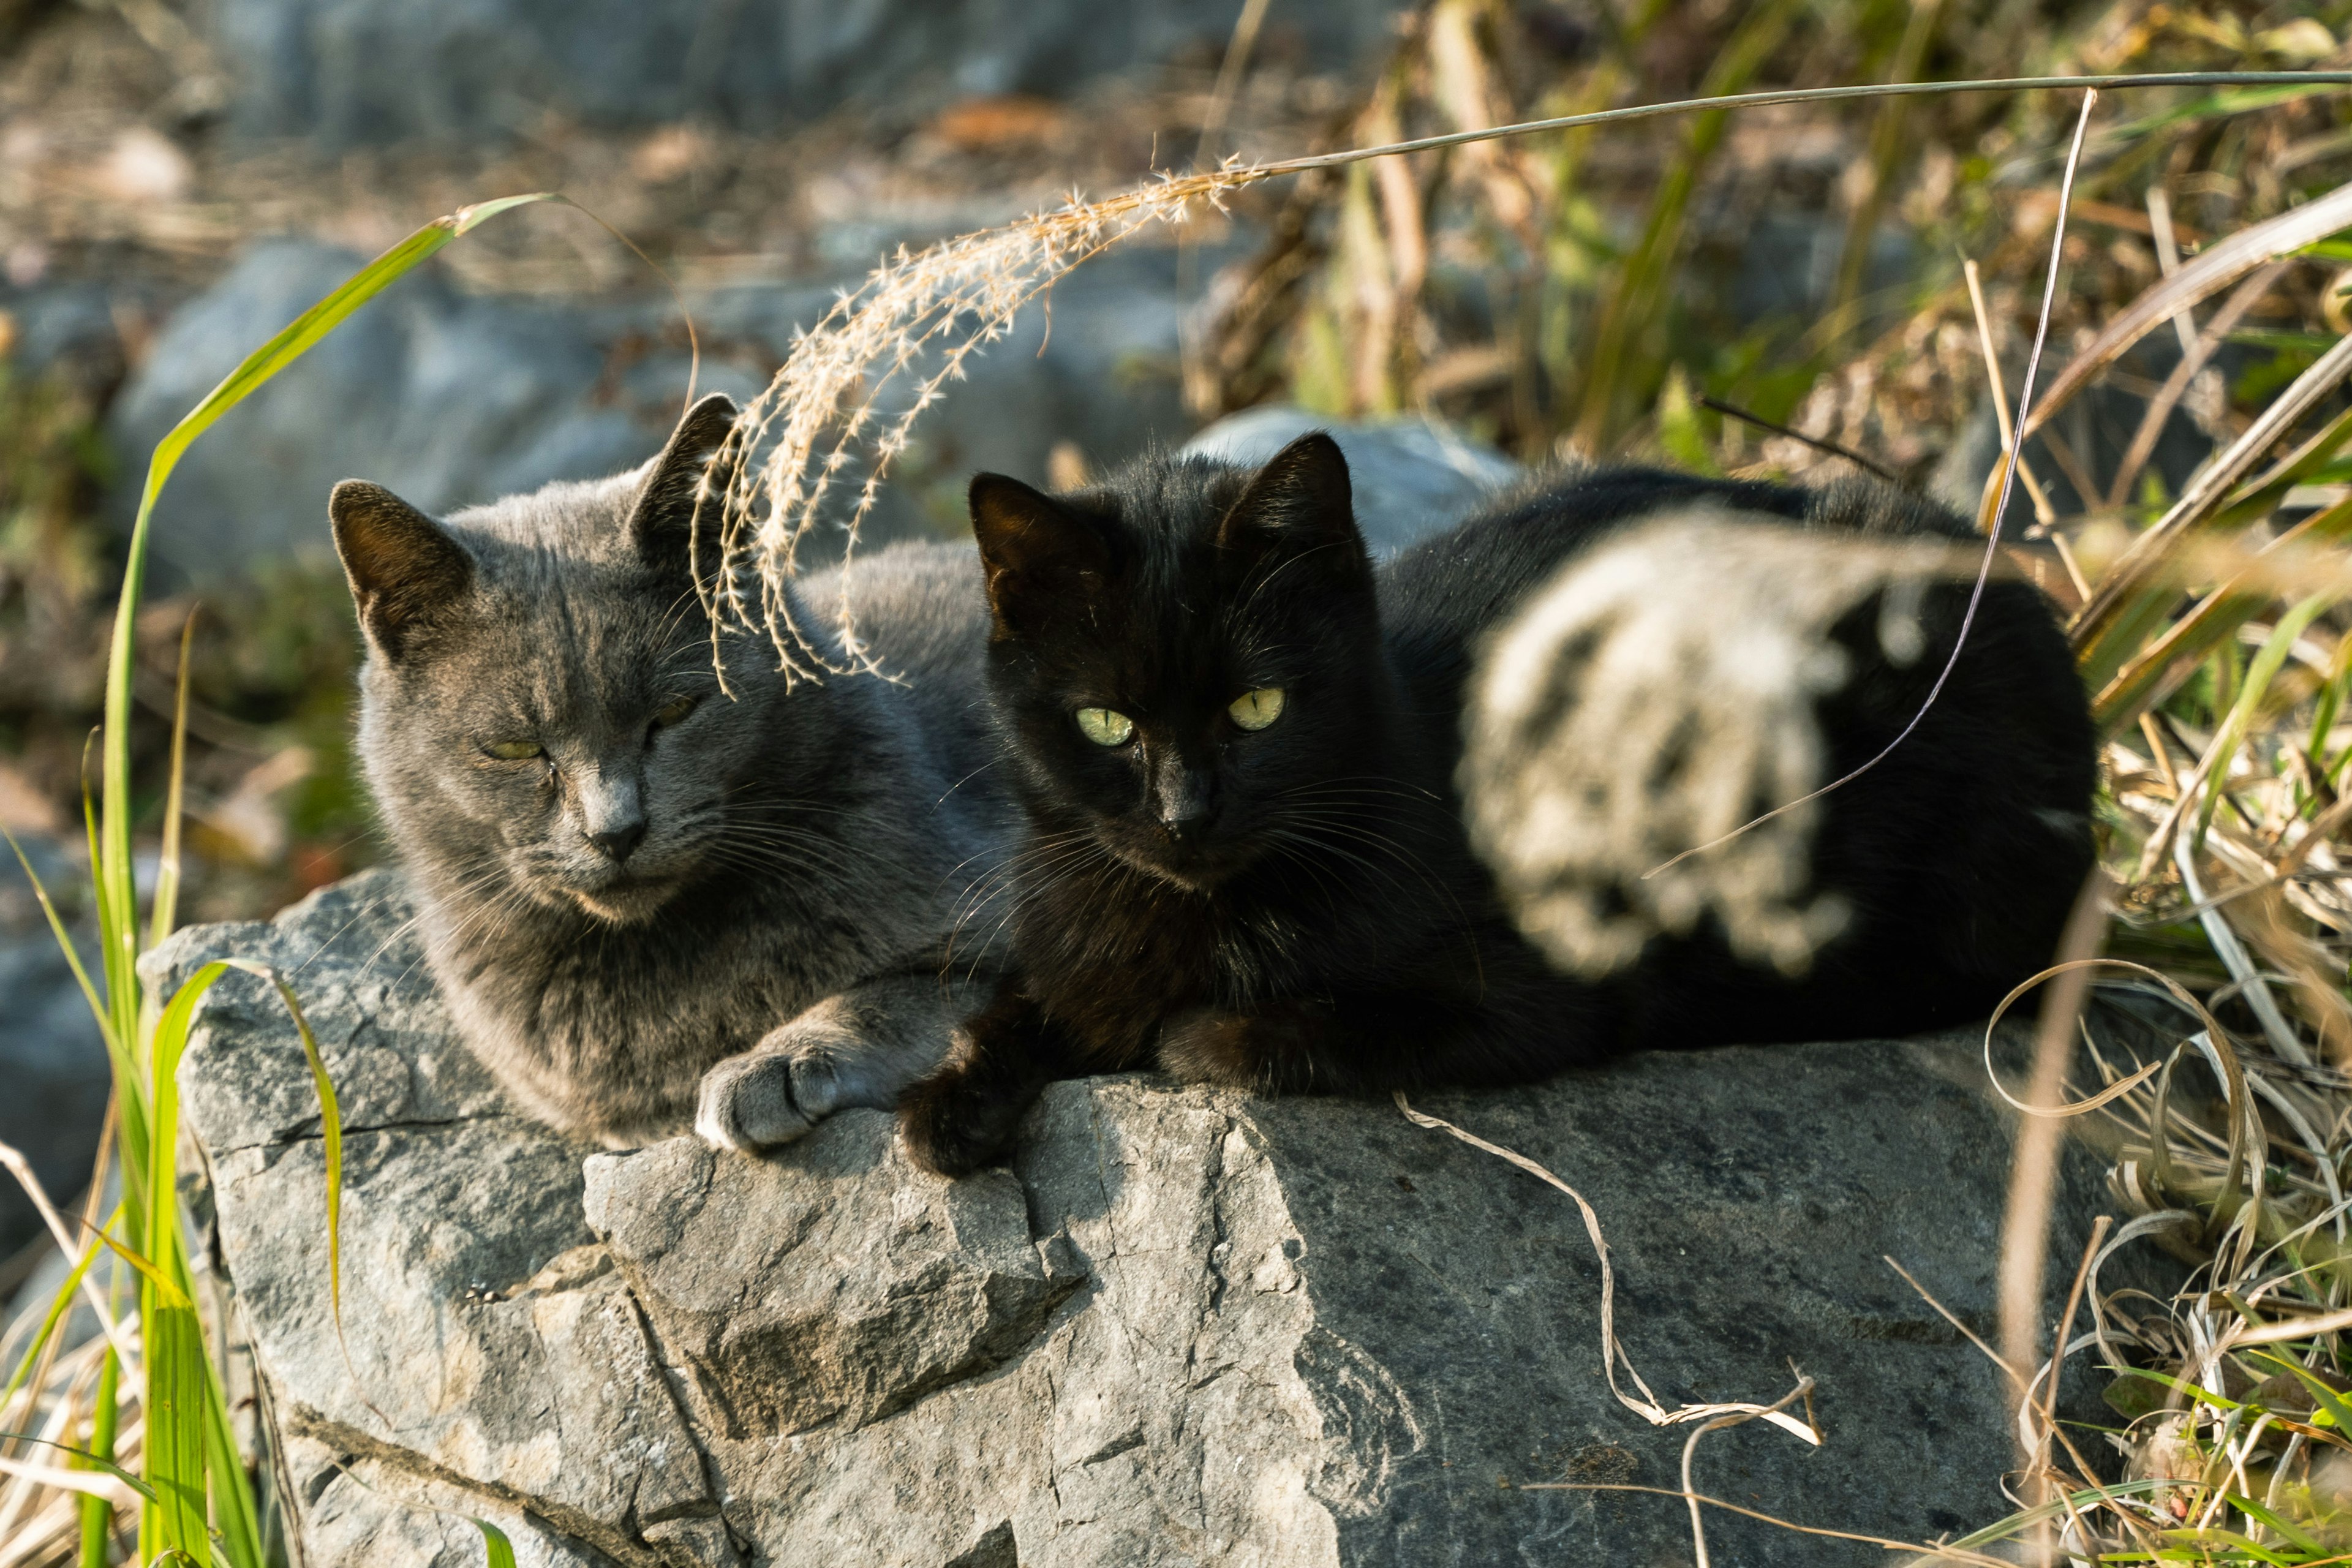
[1236, 744]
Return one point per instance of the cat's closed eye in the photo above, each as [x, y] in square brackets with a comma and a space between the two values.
[514, 750]
[1105, 726]
[671, 712]
[1257, 710]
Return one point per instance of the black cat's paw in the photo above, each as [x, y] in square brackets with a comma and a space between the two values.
[950, 1125]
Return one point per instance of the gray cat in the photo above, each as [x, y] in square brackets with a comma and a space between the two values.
[650, 904]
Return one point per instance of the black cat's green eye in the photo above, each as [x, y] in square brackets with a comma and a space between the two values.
[514, 750]
[1105, 726]
[1257, 710]
[671, 712]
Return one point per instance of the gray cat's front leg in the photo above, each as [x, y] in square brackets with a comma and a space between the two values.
[859, 1047]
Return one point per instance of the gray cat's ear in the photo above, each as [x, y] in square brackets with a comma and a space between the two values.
[402, 565]
[1300, 500]
[661, 520]
[1034, 549]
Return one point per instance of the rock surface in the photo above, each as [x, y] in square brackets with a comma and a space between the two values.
[1184, 1327]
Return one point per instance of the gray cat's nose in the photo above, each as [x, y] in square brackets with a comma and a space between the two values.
[620, 842]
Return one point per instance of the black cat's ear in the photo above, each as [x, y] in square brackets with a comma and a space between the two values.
[402, 565]
[1036, 551]
[661, 521]
[1300, 500]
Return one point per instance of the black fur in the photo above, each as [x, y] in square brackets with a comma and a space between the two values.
[1318, 920]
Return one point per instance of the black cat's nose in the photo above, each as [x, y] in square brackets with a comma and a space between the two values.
[1184, 802]
[620, 842]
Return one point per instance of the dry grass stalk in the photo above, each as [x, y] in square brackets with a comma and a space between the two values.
[823, 440]
[1709, 1418]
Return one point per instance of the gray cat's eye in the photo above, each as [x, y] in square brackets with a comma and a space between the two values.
[1105, 726]
[671, 712]
[514, 750]
[1257, 710]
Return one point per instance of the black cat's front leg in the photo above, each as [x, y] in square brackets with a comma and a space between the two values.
[962, 1115]
[1276, 1047]
[1522, 1030]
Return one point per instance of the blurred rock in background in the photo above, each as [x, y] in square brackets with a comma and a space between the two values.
[370, 72]
[52, 1061]
[453, 399]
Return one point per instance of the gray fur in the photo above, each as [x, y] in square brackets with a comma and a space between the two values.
[772, 947]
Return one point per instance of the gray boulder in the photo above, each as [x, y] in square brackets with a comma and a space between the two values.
[52, 1061]
[448, 399]
[1411, 477]
[452, 399]
[1185, 1326]
[346, 72]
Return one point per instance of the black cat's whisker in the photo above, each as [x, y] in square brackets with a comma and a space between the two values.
[1035, 862]
[1409, 862]
[1266, 579]
[1286, 854]
[1362, 784]
[1059, 855]
[1397, 850]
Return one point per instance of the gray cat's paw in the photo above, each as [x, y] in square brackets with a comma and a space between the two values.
[759, 1099]
[860, 1048]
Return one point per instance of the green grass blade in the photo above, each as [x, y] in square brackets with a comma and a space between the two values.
[2259, 676]
[330, 1125]
[178, 1365]
[59, 1305]
[2331, 700]
[175, 1428]
[2213, 106]
[97, 1514]
[2327, 1398]
[87, 1460]
[167, 871]
[2300, 1539]
[114, 1047]
[2025, 1519]
[115, 938]
[163, 1052]
[498, 1550]
[237, 1512]
[2155, 665]
[166, 1290]
[113, 868]
[1640, 292]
